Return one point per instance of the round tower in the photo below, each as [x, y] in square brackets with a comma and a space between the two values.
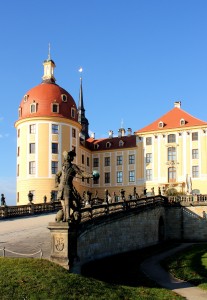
[47, 126]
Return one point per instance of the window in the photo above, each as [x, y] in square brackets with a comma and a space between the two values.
[194, 136]
[64, 97]
[171, 138]
[18, 170]
[88, 162]
[171, 174]
[195, 171]
[33, 108]
[32, 128]
[149, 174]
[73, 113]
[160, 124]
[195, 153]
[18, 151]
[55, 148]
[148, 158]
[107, 161]
[108, 145]
[171, 154]
[107, 177]
[55, 129]
[148, 141]
[95, 162]
[131, 159]
[119, 160]
[55, 108]
[32, 148]
[121, 143]
[83, 159]
[131, 176]
[73, 132]
[32, 167]
[18, 133]
[20, 112]
[54, 167]
[26, 98]
[119, 177]
[182, 122]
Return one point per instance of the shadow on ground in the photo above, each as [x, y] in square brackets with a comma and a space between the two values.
[124, 269]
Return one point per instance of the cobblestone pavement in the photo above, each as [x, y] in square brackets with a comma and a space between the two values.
[26, 234]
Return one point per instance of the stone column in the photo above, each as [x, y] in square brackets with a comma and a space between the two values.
[63, 243]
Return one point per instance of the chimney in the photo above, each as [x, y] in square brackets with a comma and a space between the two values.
[122, 131]
[177, 104]
[129, 131]
[93, 135]
[119, 133]
[110, 134]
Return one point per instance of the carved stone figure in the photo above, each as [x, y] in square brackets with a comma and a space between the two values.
[67, 194]
[3, 201]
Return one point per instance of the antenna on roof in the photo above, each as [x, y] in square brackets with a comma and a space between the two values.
[49, 52]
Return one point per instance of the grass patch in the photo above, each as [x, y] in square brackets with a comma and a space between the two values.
[36, 279]
[189, 265]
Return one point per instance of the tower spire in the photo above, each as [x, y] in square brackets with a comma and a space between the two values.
[81, 111]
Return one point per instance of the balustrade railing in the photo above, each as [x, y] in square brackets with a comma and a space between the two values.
[89, 212]
[30, 209]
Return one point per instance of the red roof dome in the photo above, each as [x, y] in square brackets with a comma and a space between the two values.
[48, 100]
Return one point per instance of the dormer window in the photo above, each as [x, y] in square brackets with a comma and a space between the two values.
[26, 98]
[121, 143]
[160, 124]
[108, 145]
[182, 122]
[20, 112]
[64, 98]
[73, 112]
[55, 108]
[96, 146]
[33, 108]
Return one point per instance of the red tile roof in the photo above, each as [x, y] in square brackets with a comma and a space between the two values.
[172, 120]
[101, 144]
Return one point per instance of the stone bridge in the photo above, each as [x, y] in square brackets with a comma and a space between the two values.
[109, 229]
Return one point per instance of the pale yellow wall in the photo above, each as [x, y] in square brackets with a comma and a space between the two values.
[43, 181]
[184, 161]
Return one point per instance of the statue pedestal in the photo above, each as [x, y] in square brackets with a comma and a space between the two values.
[63, 243]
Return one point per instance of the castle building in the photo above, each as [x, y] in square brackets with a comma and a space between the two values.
[169, 153]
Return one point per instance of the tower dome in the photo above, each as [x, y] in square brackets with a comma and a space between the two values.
[48, 99]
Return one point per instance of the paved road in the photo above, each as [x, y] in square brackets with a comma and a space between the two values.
[26, 234]
[151, 267]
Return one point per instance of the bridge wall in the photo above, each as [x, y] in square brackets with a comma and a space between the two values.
[116, 235]
[186, 223]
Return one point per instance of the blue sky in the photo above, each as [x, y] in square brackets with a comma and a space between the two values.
[138, 58]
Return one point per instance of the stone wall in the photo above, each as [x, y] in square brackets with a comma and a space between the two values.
[116, 235]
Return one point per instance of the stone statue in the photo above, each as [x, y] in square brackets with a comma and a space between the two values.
[30, 197]
[3, 201]
[67, 194]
